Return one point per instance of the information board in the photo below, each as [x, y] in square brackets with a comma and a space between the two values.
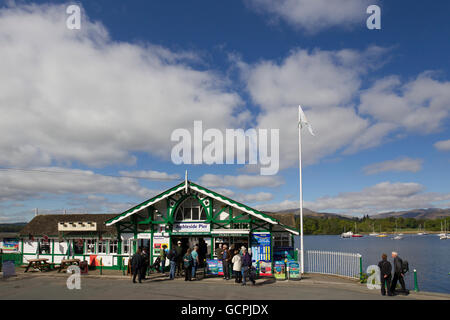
[279, 270]
[294, 270]
[265, 269]
[260, 245]
[214, 267]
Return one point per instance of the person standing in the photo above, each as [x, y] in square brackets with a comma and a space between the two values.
[179, 250]
[398, 273]
[246, 264]
[163, 256]
[145, 263]
[226, 258]
[136, 265]
[219, 252]
[237, 266]
[172, 256]
[187, 263]
[195, 261]
[385, 275]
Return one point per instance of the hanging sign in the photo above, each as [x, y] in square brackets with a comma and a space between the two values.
[10, 245]
[279, 270]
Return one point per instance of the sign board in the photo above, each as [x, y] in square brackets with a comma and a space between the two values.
[260, 246]
[144, 235]
[265, 269]
[158, 243]
[185, 227]
[279, 270]
[294, 270]
[8, 269]
[214, 267]
[10, 245]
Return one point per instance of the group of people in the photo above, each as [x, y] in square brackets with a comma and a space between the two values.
[238, 261]
[389, 283]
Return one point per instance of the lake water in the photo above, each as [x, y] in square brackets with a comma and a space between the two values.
[427, 254]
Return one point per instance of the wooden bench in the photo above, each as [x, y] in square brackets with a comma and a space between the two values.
[40, 264]
[68, 262]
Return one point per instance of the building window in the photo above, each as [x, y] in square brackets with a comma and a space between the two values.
[126, 246]
[282, 240]
[44, 246]
[90, 246]
[190, 210]
[78, 246]
[101, 246]
[113, 246]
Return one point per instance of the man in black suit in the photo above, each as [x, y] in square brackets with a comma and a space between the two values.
[136, 266]
[385, 275]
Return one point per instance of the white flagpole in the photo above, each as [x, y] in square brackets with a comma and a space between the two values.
[301, 191]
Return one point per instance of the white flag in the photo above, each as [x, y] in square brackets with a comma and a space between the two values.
[303, 121]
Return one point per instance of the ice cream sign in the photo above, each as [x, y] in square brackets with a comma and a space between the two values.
[190, 227]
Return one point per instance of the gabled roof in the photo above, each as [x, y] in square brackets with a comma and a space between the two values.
[47, 224]
[253, 212]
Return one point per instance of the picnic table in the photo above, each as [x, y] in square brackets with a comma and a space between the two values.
[40, 264]
[68, 262]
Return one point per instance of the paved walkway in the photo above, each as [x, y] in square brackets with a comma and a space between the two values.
[112, 285]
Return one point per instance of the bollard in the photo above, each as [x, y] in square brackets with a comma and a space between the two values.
[123, 266]
[416, 286]
[101, 266]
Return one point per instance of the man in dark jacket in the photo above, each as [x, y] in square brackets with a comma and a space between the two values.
[136, 265]
[226, 258]
[246, 264]
[145, 263]
[398, 273]
[385, 275]
[179, 259]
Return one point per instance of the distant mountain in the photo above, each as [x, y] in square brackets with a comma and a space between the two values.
[314, 214]
[12, 227]
[431, 213]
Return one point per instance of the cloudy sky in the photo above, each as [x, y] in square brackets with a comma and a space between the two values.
[87, 115]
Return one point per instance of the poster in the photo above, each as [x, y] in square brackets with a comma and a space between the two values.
[214, 267]
[10, 245]
[279, 270]
[158, 243]
[294, 270]
[261, 246]
[265, 269]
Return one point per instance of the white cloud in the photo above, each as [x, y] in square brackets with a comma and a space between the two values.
[283, 205]
[328, 86]
[150, 174]
[240, 181]
[246, 197]
[400, 164]
[382, 196]
[315, 15]
[23, 185]
[443, 145]
[420, 105]
[77, 96]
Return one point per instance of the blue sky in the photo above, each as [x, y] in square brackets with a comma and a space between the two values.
[104, 100]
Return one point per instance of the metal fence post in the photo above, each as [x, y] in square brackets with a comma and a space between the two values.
[123, 266]
[101, 266]
[416, 286]
[360, 269]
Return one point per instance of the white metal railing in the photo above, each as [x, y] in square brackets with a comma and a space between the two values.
[334, 263]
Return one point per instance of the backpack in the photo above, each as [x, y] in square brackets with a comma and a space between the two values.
[172, 255]
[405, 266]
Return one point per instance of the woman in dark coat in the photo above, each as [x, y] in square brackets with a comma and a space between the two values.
[136, 266]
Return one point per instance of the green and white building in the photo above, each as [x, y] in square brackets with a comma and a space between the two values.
[186, 212]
